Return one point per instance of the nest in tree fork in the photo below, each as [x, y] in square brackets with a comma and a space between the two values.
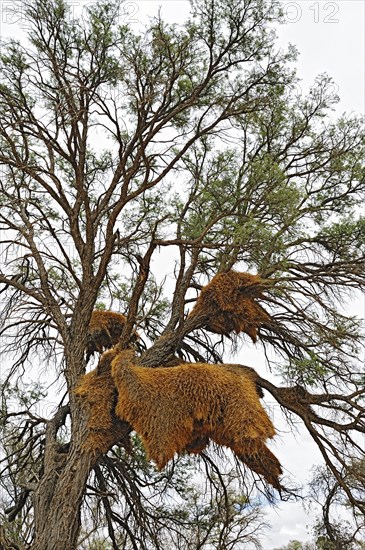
[228, 304]
[181, 408]
[105, 329]
[98, 391]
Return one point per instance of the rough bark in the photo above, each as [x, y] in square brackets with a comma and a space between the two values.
[57, 503]
[58, 496]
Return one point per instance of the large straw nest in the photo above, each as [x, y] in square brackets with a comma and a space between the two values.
[181, 408]
[178, 409]
[229, 304]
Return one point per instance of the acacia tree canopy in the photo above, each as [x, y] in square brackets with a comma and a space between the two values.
[181, 145]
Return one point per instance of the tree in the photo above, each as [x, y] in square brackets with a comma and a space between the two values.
[176, 512]
[332, 532]
[322, 543]
[297, 545]
[183, 145]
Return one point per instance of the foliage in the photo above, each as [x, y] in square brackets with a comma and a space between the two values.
[331, 529]
[172, 509]
[297, 545]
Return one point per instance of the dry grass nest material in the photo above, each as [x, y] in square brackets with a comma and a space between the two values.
[229, 304]
[105, 329]
[179, 409]
[98, 391]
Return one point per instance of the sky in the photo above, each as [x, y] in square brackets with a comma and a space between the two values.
[330, 37]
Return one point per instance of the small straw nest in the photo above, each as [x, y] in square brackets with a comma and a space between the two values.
[105, 329]
[228, 304]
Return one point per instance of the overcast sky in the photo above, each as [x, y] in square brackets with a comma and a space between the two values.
[330, 37]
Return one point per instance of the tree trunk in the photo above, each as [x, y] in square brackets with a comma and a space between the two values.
[58, 496]
[57, 503]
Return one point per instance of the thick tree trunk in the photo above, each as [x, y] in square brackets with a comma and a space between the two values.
[58, 496]
[57, 504]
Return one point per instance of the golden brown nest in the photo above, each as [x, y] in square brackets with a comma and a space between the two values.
[180, 409]
[229, 304]
[104, 332]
